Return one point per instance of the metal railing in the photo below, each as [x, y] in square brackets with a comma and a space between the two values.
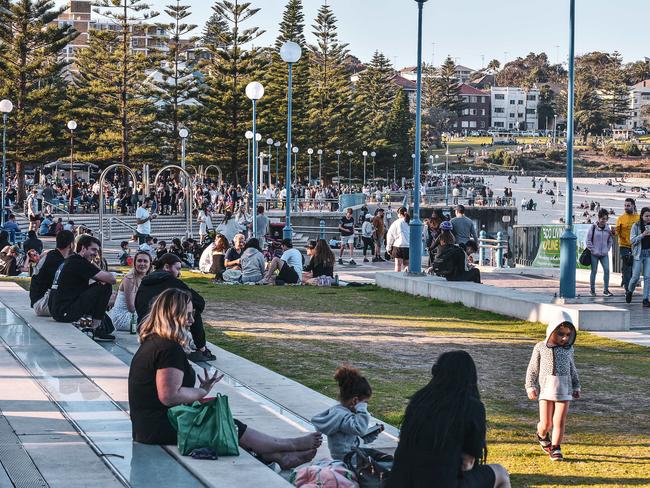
[121, 223]
[496, 248]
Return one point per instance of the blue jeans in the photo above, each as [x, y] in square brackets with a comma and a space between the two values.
[604, 261]
[626, 271]
[644, 263]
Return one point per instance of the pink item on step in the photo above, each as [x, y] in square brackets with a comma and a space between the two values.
[324, 474]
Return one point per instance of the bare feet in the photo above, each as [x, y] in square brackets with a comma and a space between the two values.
[288, 460]
[312, 440]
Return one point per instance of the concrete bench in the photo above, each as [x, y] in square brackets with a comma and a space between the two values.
[533, 307]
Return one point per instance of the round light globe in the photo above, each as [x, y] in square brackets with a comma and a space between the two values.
[6, 106]
[350, 153]
[254, 90]
[258, 137]
[413, 156]
[290, 52]
[373, 154]
[249, 134]
[295, 150]
[183, 133]
[269, 141]
[338, 152]
[320, 152]
[365, 153]
[394, 155]
[310, 151]
[277, 144]
[72, 125]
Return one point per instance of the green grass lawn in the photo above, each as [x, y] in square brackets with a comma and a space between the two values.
[305, 332]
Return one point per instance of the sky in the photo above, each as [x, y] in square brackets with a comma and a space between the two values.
[471, 31]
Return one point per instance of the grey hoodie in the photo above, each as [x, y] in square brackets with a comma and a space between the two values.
[342, 428]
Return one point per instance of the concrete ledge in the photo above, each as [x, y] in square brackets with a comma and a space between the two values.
[582, 275]
[533, 307]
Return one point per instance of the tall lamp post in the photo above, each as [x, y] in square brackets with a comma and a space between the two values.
[447, 176]
[350, 170]
[365, 157]
[373, 154]
[568, 240]
[249, 138]
[338, 167]
[72, 126]
[269, 143]
[294, 150]
[310, 151]
[320, 167]
[255, 91]
[5, 107]
[394, 168]
[290, 53]
[183, 132]
[415, 263]
[277, 145]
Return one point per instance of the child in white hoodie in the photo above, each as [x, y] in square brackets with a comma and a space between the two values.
[345, 423]
[552, 378]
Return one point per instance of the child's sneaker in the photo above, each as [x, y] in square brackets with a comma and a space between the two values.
[544, 442]
[556, 454]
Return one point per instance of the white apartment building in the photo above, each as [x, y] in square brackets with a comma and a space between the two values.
[639, 97]
[514, 108]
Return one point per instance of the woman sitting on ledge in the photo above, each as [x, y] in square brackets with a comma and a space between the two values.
[451, 261]
[161, 377]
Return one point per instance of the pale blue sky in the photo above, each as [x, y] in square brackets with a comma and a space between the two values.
[465, 29]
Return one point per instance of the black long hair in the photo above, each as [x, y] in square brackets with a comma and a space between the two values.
[436, 413]
[641, 222]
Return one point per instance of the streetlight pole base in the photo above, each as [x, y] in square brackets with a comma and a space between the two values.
[568, 251]
[415, 253]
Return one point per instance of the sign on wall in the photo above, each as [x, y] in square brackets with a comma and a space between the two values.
[548, 254]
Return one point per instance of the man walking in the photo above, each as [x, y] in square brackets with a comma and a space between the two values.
[346, 228]
[143, 218]
[623, 229]
[463, 227]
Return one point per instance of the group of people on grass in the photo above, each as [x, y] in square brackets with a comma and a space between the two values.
[633, 231]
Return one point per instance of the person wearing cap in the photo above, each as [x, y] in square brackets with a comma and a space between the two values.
[463, 227]
[367, 231]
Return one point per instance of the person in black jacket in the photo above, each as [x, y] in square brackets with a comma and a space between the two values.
[168, 271]
[451, 261]
[442, 439]
[32, 242]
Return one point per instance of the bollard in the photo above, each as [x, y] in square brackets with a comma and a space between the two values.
[481, 249]
[500, 250]
[321, 233]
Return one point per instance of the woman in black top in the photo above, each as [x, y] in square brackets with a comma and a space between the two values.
[442, 439]
[161, 377]
[320, 264]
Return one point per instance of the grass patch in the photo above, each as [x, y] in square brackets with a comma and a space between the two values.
[305, 332]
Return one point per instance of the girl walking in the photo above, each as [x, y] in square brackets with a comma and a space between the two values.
[599, 242]
[552, 379]
[397, 240]
[345, 423]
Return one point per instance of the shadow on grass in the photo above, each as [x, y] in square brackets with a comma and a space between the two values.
[545, 479]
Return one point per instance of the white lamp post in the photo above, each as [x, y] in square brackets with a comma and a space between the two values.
[183, 133]
[373, 154]
[310, 151]
[72, 126]
[249, 137]
[365, 156]
[5, 107]
[320, 167]
[294, 150]
[255, 91]
[338, 166]
[277, 145]
[350, 153]
[394, 168]
[290, 53]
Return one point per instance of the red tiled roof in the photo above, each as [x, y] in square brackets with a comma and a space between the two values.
[470, 90]
[643, 84]
[403, 82]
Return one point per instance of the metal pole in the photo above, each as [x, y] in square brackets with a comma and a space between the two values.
[350, 172]
[309, 172]
[255, 169]
[568, 240]
[338, 169]
[248, 164]
[415, 264]
[277, 166]
[287, 232]
[321, 233]
[182, 152]
[4, 164]
[365, 157]
[71, 201]
[447, 177]
[270, 160]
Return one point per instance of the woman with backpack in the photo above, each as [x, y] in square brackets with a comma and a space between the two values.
[599, 242]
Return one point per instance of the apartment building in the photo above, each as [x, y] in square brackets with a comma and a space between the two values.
[639, 98]
[514, 108]
[476, 114]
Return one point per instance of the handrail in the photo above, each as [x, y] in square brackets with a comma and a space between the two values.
[121, 222]
[500, 244]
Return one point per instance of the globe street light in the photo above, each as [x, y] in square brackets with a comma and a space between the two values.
[338, 167]
[277, 145]
[290, 53]
[310, 151]
[72, 126]
[373, 154]
[5, 107]
[255, 91]
[365, 156]
[183, 132]
[415, 241]
[249, 137]
[568, 240]
[320, 167]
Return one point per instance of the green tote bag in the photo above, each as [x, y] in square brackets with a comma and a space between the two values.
[208, 424]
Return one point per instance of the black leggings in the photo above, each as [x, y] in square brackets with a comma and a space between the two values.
[368, 244]
[93, 302]
[197, 331]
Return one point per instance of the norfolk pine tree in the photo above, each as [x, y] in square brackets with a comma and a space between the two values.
[31, 76]
[399, 127]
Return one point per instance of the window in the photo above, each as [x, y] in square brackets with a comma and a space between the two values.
[483, 124]
[464, 124]
[645, 96]
[472, 111]
[499, 110]
[499, 96]
[531, 111]
[499, 124]
[520, 102]
[472, 99]
[483, 99]
[483, 111]
[532, 98]
[512, 115]
[465, 111]
[521, 116]
[472, 124]
[465, 99]
[512, 102]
